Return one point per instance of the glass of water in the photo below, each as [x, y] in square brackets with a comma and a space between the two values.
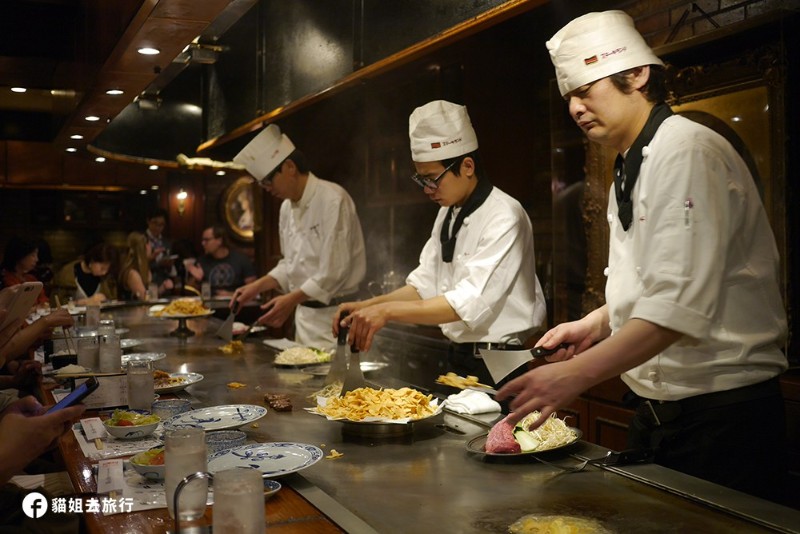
[184, 454]
[239, 501]
[141, 385]
[89, 352]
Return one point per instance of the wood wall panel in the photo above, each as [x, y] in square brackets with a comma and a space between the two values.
[33, 163]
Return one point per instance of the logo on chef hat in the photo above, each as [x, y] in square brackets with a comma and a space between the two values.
[265, 152]
[440, 130]
[597, 45]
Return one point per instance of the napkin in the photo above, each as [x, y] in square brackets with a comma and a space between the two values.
[471, 402]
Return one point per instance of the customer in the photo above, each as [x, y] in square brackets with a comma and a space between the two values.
[19, 260]
[222, 267]
[161, 261]
[477, 275]
[134, 275]
[324, 259]
[692, 296]
[86, 280]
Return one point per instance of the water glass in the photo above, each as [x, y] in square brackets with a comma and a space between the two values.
[205, 291]
[92, 317]
[184, 454]
[239, 501]
[141, 385]
[106, 327]
[110, 354]
[152, 292]
[89, 352]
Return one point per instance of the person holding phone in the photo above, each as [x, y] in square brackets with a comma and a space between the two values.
[20, 258]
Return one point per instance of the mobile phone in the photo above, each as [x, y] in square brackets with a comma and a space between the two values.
[77, 395]
[19, 300]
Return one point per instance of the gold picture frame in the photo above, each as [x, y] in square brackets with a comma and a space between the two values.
[238, 209]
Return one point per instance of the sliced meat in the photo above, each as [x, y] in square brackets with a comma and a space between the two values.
[279, 402]
[501, 439]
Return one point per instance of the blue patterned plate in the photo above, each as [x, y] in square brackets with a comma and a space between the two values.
[272, 459]
[217, 417]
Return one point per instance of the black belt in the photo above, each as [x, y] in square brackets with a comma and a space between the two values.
[655, 412]
[334, 302]
[473, 348]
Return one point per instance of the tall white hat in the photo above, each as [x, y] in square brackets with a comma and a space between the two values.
[597, 45]
[440, 130]
[265, 152]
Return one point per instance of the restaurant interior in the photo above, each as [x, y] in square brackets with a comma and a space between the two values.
[103, 133]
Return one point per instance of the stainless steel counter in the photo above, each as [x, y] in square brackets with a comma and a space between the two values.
[426, 481]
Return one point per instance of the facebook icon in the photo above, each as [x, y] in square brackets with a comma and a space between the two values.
[34, 505]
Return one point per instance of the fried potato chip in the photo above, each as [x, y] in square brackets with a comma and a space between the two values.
[453, 380]
[361, 403]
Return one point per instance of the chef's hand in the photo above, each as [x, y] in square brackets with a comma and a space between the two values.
[243, 295]
[279, 310]
[546, 388]
[345, 308]
[365, 323]
[578, 334]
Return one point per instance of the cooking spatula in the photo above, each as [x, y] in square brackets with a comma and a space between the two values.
[502, 363]
[226, 330]
[338, 368]
[355, 377]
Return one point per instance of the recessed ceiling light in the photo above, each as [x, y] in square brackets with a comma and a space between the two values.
[72, 149]
[115, 92]
[76, 136]
[92, 118]
[18, 89]
[142, 192]
[153, 167]
[154, 187]
[148, 51]
[100, 159]
[220, 173]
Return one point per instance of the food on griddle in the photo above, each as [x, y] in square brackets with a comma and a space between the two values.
[279, 402]
[302, 356]
[452, 379]
[556, 524]
[236, 385]
[361, 403]
[331, 390]
[501, 439]
[182, 307]
[553, 433]
[233, 346]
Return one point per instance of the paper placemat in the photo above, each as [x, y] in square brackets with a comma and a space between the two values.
[113, 447]
[145, 493]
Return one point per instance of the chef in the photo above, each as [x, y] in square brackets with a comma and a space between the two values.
[693, 319]
[477, 275]
[324, 258]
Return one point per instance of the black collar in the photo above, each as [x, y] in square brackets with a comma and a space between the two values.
[475, 200]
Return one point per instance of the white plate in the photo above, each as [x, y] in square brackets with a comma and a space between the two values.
[158, 307]
[143, 357]
[478, 445]
[128, 343]
[241, 328]
[189, 379]
[218, 417]
[324, 369]
[272, 459]
[280, 344]
[76, 310]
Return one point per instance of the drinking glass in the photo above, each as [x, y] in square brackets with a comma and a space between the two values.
[106, 327]
[141, 386]
[185, 453]
[238, 501]
[92, 317]
[110, 354]
[88, 352]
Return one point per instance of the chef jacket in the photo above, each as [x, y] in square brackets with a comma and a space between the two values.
[322, 244]
[491, 282]
[700, 258]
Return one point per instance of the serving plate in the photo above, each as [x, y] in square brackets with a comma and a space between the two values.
[157, 308]
[272, 459]
[478, 444]
[324, 369]
[128, 343]
[188, 380]
[241, 328]
[218, 417]
[142, 357]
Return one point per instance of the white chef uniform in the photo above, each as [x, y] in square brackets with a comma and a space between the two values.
[695, 206]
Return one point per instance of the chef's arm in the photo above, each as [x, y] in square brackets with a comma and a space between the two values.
[248, 292]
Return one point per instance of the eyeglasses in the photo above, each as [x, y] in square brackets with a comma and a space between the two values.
[424, 181]
[271, 176]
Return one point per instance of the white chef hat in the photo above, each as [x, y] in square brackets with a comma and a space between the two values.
[597, 45]
[440, 130]
[265, 152]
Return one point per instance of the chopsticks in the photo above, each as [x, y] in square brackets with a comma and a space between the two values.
[67, 334]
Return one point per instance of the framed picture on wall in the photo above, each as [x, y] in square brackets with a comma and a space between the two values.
[238, 209]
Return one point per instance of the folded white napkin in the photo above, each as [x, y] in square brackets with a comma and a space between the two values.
[471, 402]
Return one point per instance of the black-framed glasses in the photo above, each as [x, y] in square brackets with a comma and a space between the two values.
[267, 180]
[424, 181]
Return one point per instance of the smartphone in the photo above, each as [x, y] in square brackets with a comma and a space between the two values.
[77, 395]
[19, 300]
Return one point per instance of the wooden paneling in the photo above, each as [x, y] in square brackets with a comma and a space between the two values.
[608, 425]
[33, 163]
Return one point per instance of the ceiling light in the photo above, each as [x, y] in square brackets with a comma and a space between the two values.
[18, 89]
[76, 136]
[154, 187]
[143, 192]
[72, 149]
[100, 159]
[153, 167]
[220, 173]
[115, 92]
[92, 118]
[149, 51]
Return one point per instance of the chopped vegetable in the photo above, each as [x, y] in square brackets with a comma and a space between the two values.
[123, 418]
[151, 457]
[551, 434]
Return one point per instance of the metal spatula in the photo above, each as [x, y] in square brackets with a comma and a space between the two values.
[502, 362]
[355, 377]
[338, 368]
[226, 330]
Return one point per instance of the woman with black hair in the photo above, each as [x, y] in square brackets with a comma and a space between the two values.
[19, 260]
